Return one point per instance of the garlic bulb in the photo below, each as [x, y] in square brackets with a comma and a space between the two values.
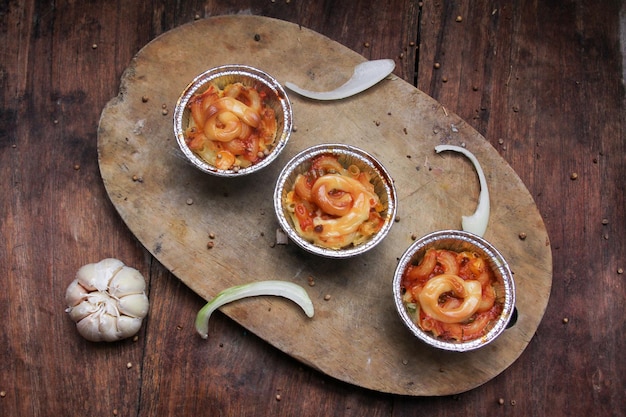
[107, 300]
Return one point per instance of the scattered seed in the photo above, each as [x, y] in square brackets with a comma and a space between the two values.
[115, 411]
[189, 201]
[522, 236]
[606, 236]
[76, 167]
[257, 37]
[164, 106]
[573, 176]
[327, 297]
[366, 44]
[565, 320]
[3, 394]
[515, 109]
[475, 87]
[164, 112]
[294, 128]
[444, 79]
[405, 362]
[129, 365]
[459, 18]
[411, 43]
[620, 271]
[210, 245]
[500, 141]
[278, 397]
[376, 122]
[501, 401]
[413, 236]
[605, 221]
[397, 219]
[196, 16]
[311, 281]
[401, 56]
[513, 402]
[211, 235]
[135, 338]
[144, 99]
[437, 65]
[94, 46]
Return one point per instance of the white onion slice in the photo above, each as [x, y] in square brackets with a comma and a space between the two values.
[477, 222]
[365, 75]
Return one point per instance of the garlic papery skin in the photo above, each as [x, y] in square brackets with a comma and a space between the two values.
[107, 300]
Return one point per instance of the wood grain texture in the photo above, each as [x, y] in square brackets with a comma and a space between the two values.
[558, 63]
[356, 336]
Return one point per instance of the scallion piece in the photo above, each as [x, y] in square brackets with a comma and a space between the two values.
[289, 290]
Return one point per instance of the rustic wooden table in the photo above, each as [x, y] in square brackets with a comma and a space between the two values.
[543, 83]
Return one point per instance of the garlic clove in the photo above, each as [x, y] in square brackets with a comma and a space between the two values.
[82, 310]
[97, 276]
[75, 293]
[134, 305]
[89, 328]
[127, 281]
[107, 326]
[128, 326]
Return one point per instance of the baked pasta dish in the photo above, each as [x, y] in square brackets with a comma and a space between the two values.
[231, 128]
[333, 206]
[452, 295]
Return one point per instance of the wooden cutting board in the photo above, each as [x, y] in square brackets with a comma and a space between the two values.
[355, 336]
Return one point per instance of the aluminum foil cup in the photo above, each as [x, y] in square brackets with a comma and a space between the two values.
[276, 98]
[458, 241]
[346, 155]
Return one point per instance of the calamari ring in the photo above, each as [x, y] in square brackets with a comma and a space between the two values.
[332, 228]
[447, 260]
[242, 111]
[248, 95]
[335, 194]
[223, 127]
[469, 291]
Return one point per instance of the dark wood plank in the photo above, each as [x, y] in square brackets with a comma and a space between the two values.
[548, 78]
[543, 85]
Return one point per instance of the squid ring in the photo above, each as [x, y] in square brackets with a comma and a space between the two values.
[243, 112]
[349, 223]
[223, 127]
[336, 194]
[470, 291]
